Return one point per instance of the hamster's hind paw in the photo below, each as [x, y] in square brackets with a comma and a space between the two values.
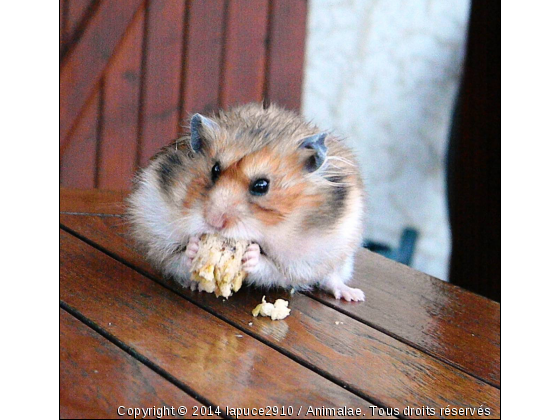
[348, 293]
[251, 258]
[192, 249]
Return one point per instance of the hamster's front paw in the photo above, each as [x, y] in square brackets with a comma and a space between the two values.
[251, 257]
[348, 293]
[192, 249]
[190, 284]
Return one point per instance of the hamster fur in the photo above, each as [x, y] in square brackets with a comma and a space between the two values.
[263, 175]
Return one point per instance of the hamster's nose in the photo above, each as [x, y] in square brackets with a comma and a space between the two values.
[218, 221]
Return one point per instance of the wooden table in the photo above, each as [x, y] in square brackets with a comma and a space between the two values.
[130, 339]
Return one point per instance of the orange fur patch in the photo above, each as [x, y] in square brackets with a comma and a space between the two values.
[196, 190]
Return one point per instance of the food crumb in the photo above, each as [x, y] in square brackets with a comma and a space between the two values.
[250, 324]
[238, 335]
[276, 311]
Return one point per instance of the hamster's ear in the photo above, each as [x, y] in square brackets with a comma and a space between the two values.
[317, 144]
[200, 125]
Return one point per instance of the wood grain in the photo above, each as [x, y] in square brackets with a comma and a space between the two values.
[92, 201]
[244, 59]
[444, 320]
[201, 80]
[156, 61]
[207, 355]
[350, 351]
[97, 377]
[62, 18]
[162, 78]
[76, 12]
[78, 163]
[286, 52]
[83, 65]
[121, 105]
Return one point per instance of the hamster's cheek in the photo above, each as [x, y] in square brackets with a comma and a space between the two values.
[192, 221]
[195, 193]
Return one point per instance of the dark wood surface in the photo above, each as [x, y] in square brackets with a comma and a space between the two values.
[131, 71]
[415, 341]
[103, 368]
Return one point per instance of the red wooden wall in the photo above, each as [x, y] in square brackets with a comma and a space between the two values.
[132, 70]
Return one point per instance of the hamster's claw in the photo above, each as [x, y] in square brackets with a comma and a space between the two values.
[192, 249]
[348, 293]
[190, 284]
[251, 257]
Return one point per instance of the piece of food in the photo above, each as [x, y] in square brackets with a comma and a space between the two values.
[217, 265]
[278, 310]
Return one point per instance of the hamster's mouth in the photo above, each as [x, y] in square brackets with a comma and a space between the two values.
[180, 248]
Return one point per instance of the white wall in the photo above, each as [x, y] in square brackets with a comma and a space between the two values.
[384, 74]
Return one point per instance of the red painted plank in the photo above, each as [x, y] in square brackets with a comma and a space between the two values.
[82, 67]
[245, 52]
[61, 23]
[286, 52]
[203, 56]
[162, 80]
[77, 166]
[119, 137]
[76, 12]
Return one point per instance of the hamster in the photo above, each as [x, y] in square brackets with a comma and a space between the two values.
[258, 174]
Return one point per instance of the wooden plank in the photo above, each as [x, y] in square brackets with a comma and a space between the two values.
[426, 312]
[97, 377]
[200, 351]
[119, 136]
[286, 52]
[312, 334]
[83, 65]
[77, 10]
[245, 51]
[162, 79]
[201, 81]
[61, 24]
[78, 160]
[91, 201]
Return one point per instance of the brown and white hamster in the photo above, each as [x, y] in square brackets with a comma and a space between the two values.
[263, 175]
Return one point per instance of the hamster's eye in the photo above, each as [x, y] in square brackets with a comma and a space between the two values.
[215, 173]
[259, 187]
